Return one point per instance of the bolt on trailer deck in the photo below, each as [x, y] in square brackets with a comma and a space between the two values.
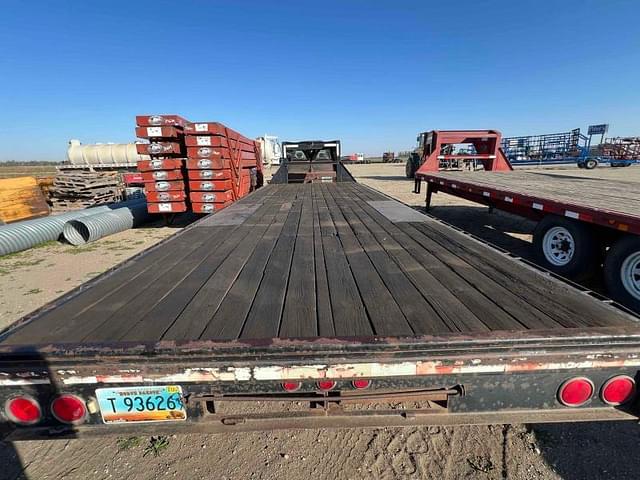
[309, 301]
[584, 224]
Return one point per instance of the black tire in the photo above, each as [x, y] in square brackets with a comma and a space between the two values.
[585, 259]
[590, 163]
[410, 168]
[625, 248]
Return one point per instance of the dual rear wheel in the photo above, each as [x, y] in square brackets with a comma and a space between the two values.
[574, 250]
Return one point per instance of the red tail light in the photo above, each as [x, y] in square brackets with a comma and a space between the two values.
[361, 383]
[326, 385]
[69, 409]
[23, 410]
[618, 390]
[291, 386]
[575, 392]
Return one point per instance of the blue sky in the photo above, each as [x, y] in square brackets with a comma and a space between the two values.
[370, 73]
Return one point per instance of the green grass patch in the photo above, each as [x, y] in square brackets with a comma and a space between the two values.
[127, 443]
[84, 249]
[156, 446]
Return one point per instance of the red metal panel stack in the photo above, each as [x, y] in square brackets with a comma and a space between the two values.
[164, 175]
[222, 165]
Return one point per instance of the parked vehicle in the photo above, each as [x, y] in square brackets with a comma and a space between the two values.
[270, 149]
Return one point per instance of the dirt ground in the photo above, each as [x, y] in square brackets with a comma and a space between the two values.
[567, 451]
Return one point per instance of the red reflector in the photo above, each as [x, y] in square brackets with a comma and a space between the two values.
[326, 384]
[361, 383]
[618, 390]
[291, 386]
[69, 409]
[575, 392]
[23, 410]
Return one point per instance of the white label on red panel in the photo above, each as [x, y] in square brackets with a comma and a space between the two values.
[207, 208]
[164, 207]
[154, 131]
[161, 175]
[203, 140]
[162, 186]
[201, 127]
[208, 197]
[156, 164]
[206, 174]
[204, 163]
[206, 186]
[537, 206]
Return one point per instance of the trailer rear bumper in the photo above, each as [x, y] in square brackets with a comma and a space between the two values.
[297, 420]
[447, 380]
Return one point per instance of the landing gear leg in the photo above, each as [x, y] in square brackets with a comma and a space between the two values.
[429, 194]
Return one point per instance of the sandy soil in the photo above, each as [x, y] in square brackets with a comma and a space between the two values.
[545, 452]
[34, 277]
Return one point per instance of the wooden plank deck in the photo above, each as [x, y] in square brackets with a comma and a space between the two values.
[599, 194]
[308, 260]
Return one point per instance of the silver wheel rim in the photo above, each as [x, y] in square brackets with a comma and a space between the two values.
[630, 274]
[558, 246]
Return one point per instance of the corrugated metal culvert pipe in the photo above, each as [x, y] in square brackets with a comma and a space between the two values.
[19, 236]
[92, 227]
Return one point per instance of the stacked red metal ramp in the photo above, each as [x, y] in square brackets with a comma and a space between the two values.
[164, 174]
[222, 165]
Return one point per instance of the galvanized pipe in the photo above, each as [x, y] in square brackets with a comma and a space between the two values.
[19, 236]
[92, 227]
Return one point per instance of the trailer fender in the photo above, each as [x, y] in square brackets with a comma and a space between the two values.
[566, 247]
[622, 271]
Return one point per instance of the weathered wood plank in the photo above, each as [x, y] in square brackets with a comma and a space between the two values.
[299, 317]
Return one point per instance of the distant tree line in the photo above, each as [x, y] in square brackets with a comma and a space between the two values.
[32, 163]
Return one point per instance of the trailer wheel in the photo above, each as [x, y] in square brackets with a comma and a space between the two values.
[565, 247]
[590, 163]
[622, 271]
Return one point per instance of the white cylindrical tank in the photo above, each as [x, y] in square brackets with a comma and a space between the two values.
[103, 154]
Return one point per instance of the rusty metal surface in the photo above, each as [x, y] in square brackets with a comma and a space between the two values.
[276, 359]
[306, 420]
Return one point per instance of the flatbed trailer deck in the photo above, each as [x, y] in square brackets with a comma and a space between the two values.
[301, 284]
[585, 224]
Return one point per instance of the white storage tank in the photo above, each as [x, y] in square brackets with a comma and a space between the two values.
[108, 154]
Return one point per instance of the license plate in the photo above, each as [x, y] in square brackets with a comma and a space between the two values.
[141, 404]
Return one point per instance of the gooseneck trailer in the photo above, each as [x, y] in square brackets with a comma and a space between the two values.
[301, 304]
[584, 224]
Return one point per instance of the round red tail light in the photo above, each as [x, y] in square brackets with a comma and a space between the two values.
[326, 385]
[361, 383]
[618, 390]
[23, 410]
[575, 392]
[69, 409]
[291, 386]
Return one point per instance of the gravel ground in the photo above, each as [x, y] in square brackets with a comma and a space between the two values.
[568, 451]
